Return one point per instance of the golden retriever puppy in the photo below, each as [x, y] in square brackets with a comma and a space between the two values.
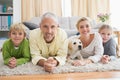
[74, 47]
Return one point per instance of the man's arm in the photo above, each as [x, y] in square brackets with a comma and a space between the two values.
[62, 52]
[34, 47]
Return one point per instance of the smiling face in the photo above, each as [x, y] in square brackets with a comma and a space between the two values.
[17, 33]
[17, 37]
[49, 29]
[84, 28]
[106, 34]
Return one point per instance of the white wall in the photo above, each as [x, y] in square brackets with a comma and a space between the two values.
[16, 11]
[115, 13]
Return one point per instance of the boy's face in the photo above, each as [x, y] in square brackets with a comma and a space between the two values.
[16, 37]
[106, 35]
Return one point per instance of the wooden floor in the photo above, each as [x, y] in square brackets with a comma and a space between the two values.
[68, 76]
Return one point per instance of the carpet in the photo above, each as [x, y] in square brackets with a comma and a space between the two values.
[29, 68]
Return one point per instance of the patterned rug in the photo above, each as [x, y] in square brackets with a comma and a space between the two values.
[29, 68]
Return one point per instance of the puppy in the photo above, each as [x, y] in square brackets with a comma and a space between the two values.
[74, 47]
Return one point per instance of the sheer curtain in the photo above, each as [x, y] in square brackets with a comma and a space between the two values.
[32, 8]
[90, 8]
[79, 7]
[27, 10]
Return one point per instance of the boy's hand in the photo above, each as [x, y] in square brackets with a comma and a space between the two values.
[12, 62]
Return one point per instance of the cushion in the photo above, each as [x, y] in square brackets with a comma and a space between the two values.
[64, 22]
[30, 25]
[72, 32]
[73, 21]
[35, 20]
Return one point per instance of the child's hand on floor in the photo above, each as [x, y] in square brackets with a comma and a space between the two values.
[12, 62]
[105, 59]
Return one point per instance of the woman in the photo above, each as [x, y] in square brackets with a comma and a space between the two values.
[92, 43]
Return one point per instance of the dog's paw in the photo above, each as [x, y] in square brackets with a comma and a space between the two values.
[69, 61]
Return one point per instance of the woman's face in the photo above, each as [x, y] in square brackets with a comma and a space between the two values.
[106, 35]
[84, 28]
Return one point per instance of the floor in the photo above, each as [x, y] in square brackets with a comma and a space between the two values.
[114, 75]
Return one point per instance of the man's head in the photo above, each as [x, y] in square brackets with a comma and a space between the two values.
[48, 26]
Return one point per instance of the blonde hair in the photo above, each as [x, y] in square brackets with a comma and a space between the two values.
[17, 27]
[105, 26]
[80, 20]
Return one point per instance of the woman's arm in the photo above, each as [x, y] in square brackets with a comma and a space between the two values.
[98, 49]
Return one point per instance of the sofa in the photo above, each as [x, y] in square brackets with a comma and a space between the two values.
[67, 23]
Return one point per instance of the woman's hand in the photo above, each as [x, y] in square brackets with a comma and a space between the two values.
[81, 62]
[78, 62]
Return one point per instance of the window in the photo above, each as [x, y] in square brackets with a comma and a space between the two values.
[66, 8]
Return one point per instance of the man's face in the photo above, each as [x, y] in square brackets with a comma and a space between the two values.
[49, 29]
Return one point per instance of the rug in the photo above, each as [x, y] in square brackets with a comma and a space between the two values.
[29, 68]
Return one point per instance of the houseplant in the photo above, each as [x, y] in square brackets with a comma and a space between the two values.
[103, 17]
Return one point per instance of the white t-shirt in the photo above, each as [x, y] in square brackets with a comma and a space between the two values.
[94, 50]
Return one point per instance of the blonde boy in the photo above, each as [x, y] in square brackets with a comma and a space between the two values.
[16, 49]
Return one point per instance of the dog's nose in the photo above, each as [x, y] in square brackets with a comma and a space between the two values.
[79, 47]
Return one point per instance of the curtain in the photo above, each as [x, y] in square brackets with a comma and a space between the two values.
[35, 8]
[79, 7]
[27, 10]
[90, 8]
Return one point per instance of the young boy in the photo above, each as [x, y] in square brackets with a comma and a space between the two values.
[109, 44]
[16, 49]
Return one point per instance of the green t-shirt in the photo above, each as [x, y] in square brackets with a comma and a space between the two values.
[21, 53]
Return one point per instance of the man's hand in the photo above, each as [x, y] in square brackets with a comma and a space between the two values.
[50, 64]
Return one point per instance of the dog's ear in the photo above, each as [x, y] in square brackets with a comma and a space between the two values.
[70, 45]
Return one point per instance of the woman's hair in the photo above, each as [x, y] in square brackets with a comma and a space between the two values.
[80, 20]
[105, 26]
[17, 27]
[49, 15]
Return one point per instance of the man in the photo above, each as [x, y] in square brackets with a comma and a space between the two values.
[48, 43]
